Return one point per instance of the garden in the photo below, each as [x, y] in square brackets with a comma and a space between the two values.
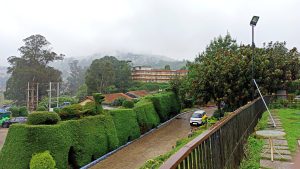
[76, 135]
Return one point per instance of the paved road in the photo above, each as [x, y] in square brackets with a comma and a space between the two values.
[3, 133]
[150, 146]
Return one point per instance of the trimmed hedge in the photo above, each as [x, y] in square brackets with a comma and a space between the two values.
[42, 160]
[37, 118]
[146, 115]
[128, 104]
[126, 124]
[166, 105]
[89, 138]
[70, 112]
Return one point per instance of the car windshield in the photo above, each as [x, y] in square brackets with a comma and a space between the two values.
[197, 115]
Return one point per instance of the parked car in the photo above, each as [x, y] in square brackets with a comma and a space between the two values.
[13, 120]
[197, 117]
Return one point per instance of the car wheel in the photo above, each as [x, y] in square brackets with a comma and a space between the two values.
[5, 125]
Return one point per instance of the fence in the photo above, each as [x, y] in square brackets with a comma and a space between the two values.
[222, 145]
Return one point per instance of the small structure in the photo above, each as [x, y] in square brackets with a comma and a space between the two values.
[109, 98]
[87, 100]
[137, 93]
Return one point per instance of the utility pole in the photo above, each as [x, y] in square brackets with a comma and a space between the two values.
[37, 95]
[28, 96]
[49, 96]
[57, 95]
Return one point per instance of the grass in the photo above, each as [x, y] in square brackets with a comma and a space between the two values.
[156, 162]
[290, 119]
[254, 146]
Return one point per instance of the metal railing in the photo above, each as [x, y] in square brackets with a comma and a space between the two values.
[221, 146]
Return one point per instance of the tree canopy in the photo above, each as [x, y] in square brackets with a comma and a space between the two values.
[223, 71]
[31, 66]
[108, 74]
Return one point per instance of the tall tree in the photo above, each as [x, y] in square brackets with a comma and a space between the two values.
[76, 77]
[31, 66]
[106, 74]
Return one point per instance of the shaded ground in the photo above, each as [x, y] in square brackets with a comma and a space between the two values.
[3, 133]
[296, 160]
[156, 143]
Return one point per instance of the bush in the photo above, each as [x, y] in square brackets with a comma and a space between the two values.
[126, 124]
[99, 98]
[23, 111]
[18, 111]
[146, 115]
[166, 105]
[37, 118]
[218, 113]
[128, 104]
[41, 108]
[71, 112]
[42, 161]
[118, 102]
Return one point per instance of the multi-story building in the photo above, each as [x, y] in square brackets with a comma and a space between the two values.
[147, 74]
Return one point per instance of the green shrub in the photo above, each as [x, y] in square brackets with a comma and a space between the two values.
[86, 138]
[146, 115]
[71, 112]
[128, 104]
[56, 110]
[118, 102]
[42, 161]
[37, 118]
[126, 124]
[23, 111]
[99, 98]
[18, 111]
[41, 108]
[219, 113]
[166, 105]
[90, 109]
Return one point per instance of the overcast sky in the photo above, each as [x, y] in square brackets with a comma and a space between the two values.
[175, 28]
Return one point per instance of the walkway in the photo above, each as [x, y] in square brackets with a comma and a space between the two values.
[3, 133]
[156, 143]
[280, 162]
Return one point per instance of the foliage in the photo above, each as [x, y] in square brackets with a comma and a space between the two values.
[18, 111]
[148, 86]
[107, 72]
[42, 160]
[41, 108]
[252, 154]
[290, 122]
[219, 113]
[167, 67]
[263, 122]
[45, 101]
[99, 98]
[118, 102]
[31, 66]
[76, 77]
[38, 118]
[71, 112]
[166, 105]
[126, 124]
[128, 104]
[89, 137]
[81, 92]
[223, 71]
[147, 117]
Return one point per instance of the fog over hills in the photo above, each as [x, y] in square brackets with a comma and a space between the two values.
[155, 61]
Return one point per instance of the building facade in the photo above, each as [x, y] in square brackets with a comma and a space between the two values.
[147, 74]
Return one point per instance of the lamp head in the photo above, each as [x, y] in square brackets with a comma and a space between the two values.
[254, 20]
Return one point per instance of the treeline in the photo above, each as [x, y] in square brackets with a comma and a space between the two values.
[223, 72]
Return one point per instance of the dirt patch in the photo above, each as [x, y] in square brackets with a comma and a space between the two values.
[3, 133]
[150, 146]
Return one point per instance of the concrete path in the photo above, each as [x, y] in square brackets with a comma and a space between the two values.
[282, 161]
[156, 143]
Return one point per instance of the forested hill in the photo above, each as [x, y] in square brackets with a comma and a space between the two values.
[155, 61]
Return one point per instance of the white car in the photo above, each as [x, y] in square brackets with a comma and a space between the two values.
[196, 118]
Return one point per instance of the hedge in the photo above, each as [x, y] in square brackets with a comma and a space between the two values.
[166, 105]
[126, 124]
[70, 112]
[36, 118]
[146, 115]
[90, 138]
[42, 160]
[128, 104]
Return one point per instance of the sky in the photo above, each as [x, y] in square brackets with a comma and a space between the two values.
[179, 29]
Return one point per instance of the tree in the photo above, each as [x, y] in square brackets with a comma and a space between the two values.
[108, 74]
[31, 66]
[167, 67]
[76, 77]
[223, 71]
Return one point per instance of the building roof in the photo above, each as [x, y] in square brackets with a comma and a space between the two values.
[109, 98]
[137, 93]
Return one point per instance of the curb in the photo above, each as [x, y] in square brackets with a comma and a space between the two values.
[128, 143]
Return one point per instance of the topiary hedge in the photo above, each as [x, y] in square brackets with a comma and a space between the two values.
[128, 104]
[126, 124]
[146, 115]
[42, 160]
[166, 104]
[36, 118]
[70, 112]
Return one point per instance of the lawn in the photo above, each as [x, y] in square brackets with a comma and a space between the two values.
[290, 119]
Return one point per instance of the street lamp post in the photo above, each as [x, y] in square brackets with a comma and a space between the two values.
[253, 23]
